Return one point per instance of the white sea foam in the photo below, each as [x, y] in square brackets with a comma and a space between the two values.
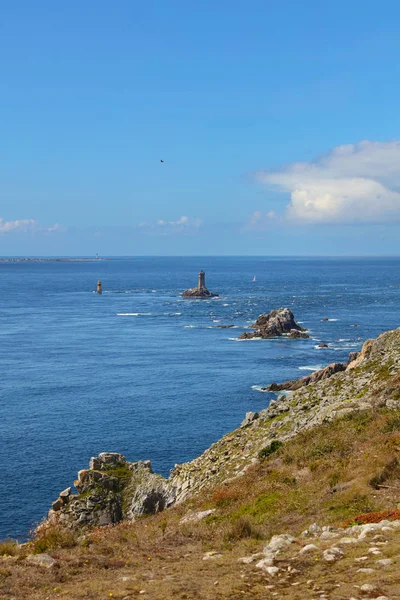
[225, 305]
[258, 388]
[333, 319]
[347, 346]
[134, 314]
[310, 368]
[256, 339]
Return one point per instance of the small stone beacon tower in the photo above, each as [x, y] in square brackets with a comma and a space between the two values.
[201, 281]
[200, 291]
[99, 288]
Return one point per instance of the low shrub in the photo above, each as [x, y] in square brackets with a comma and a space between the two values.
[390, 471]
[224, 496]
[373, 517]
[270, 449]
[9, 548]
[242, 528]
[392, 424]
[51, 537]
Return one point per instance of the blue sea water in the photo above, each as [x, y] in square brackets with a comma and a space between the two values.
[142, 371]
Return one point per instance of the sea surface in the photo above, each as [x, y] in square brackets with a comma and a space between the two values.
[142, 371]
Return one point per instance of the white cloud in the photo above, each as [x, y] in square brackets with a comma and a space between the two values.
[55, 227]
[352, 183]
[182, 225]
[18, 225]
[259, 221]
[26, 225]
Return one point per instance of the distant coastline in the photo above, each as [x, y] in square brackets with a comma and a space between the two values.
[48, 259]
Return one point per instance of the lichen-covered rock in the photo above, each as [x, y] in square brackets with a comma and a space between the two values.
[276, 323]
[112, 489]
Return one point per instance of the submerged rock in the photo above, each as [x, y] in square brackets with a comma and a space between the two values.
[276, 323]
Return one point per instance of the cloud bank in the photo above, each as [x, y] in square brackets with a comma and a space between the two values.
[351, 184]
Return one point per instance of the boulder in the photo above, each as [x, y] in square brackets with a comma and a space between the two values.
[276, 323]
[295, 333]
[249, 418]
[65, 493]
[57, 505]
[195, 517]
[42, 560]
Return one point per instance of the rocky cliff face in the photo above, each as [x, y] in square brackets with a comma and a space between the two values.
[276, 323]
[113, 489]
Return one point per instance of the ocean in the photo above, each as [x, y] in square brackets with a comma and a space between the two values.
[142, 371]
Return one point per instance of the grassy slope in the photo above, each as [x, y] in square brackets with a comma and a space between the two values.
[356, 455]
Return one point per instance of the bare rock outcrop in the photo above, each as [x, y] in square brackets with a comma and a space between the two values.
[276, 323]
[112, 489]
[296, 384]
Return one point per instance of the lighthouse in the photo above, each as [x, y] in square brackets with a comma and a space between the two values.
[201, 281]
[200, 291]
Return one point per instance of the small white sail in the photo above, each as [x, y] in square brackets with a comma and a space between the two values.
[254, 278]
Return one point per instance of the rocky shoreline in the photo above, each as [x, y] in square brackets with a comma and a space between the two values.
[114, 489]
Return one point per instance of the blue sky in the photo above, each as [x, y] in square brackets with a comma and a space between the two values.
[277, 124]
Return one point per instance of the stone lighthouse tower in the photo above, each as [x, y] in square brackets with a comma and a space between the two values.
[200, 291]
[201, 281]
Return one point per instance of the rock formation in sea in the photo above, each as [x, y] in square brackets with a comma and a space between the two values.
[276, 323]
[201, 290]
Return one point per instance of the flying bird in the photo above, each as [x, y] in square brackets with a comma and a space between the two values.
[161, 161]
